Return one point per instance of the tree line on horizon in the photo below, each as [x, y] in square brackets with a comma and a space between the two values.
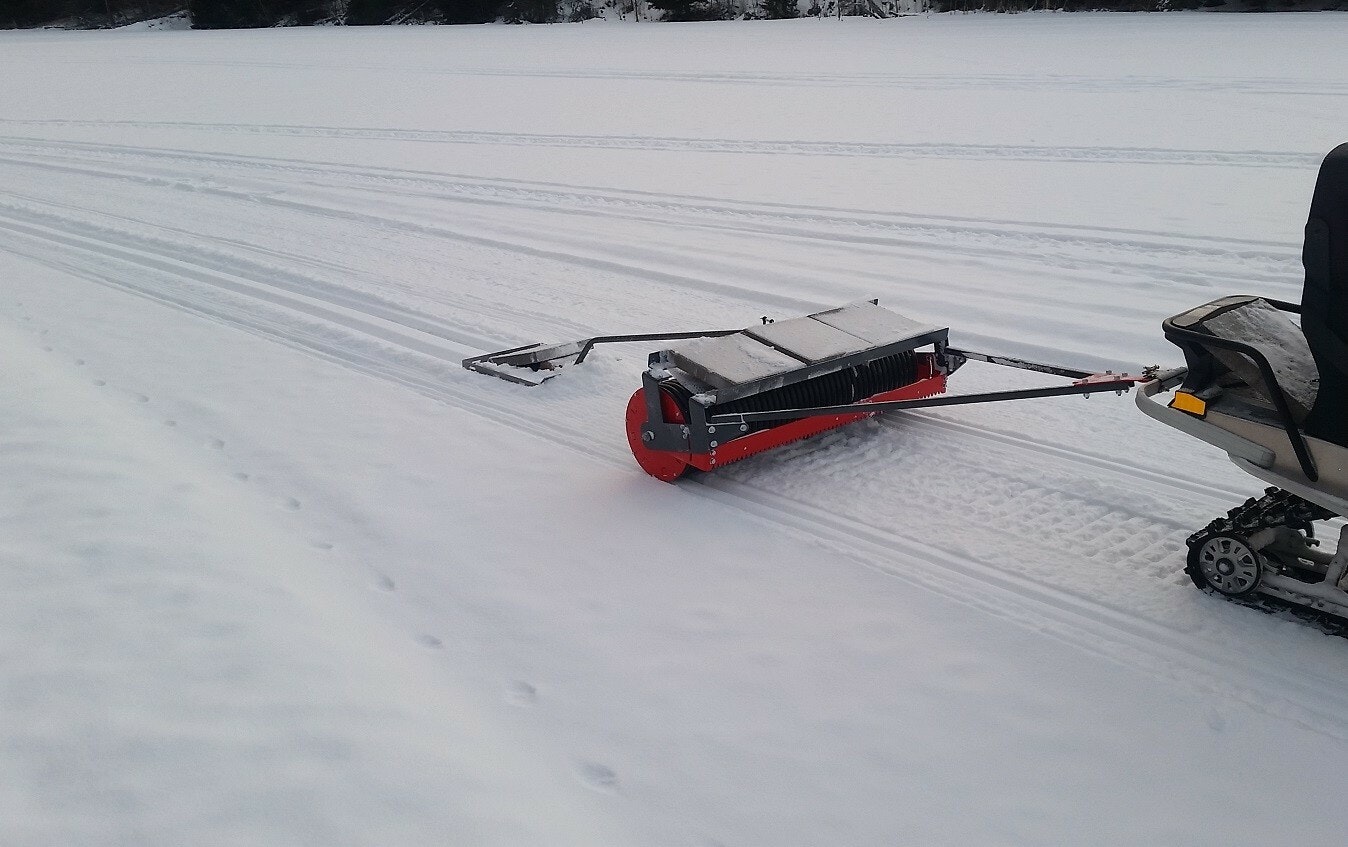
[243, 14]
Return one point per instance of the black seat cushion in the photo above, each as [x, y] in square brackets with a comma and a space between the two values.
[1324, 300]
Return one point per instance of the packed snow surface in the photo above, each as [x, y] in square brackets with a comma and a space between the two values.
[275, 570]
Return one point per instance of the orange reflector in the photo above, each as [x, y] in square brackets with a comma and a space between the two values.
[1186, 402]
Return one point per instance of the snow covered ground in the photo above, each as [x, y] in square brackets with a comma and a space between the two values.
[274, 569]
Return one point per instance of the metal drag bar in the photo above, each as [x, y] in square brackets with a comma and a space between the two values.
[652, 336]
[1009, 362]
[536, 357]
[1089, 385]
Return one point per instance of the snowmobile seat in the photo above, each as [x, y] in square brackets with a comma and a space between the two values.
[1227, 345]
[1251, 373]
[1276, 383]
[1324, 298]
[1248, 348]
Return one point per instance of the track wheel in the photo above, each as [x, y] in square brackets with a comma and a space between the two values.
[1225, 563]
[662, 464]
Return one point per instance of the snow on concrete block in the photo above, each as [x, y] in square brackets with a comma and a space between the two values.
[809, 339]
[731, 360]
[875, 324]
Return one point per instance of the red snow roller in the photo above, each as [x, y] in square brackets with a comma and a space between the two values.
[713, 401]
[724, 395]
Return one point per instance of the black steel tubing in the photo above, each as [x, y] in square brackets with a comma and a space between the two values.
[1121, 384]
[650, 336]
[1011, 362]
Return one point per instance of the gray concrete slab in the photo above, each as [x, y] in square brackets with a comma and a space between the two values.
[875, 324]
[731, 360]
[809, 339]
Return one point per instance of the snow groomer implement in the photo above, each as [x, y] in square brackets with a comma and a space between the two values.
[1273, 394]
[724, 395]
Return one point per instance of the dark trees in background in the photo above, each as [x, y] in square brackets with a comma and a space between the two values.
[82, 13]
[468, 11]
[370, 12]
[692, 10]
[248, 14]
[530, 11]
[228, 14]
[234, 14]
[21, 13]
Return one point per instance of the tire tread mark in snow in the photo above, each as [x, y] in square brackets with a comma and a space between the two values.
[946, 426]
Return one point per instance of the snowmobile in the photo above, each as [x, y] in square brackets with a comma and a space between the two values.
[1273, 393]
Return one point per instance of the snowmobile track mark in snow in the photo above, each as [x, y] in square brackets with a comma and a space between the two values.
[1022, 152]
[945, 426]
[866, 226]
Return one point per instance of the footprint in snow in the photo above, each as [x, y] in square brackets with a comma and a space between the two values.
[430, 641]
[385, 583]
[170, 422]
[1216, 720]
[521, 693]
[321, 545]
[292, 504]
[241, 476]
[599, 777]
[100, 382]
[215, 444]
[79, 362]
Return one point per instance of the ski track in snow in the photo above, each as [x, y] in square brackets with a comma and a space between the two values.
[293, 299]
[991, 152]
[1163, 259]
[1084, 83]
